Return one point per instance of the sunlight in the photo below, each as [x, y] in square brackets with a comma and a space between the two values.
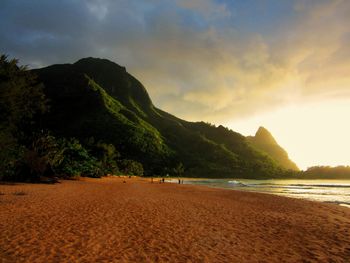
[312, 134]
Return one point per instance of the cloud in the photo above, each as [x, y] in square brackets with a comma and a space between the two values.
[199, 60]
[207, 8]
[98, 8]
[321, 41]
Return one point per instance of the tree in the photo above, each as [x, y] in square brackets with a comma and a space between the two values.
[21, 98]
[179, 169]
[21, 102]
[131, 167]
[108, 156]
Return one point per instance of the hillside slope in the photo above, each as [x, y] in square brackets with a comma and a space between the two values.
[264, 141]
[96, 98]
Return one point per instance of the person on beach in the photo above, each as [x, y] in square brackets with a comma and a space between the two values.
[162, 180]
[179, 181]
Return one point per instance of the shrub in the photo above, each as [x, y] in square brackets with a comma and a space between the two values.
[131, 167]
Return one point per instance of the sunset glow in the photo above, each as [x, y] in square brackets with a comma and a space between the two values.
[313, 134]
[284, 65]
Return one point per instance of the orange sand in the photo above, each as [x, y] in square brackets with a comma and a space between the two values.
[106, 220]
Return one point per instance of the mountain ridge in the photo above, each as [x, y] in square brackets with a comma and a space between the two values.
[100, 99]
[264, 141]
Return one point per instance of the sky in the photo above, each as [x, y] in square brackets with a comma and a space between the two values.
[284, 65]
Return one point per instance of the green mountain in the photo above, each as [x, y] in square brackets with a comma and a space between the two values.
[264, 141]
[96, 99]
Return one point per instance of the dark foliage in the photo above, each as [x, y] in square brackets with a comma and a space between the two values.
[93, 118]
[327, 172]
[98, 98]
[130, 167]
[21, 103]
[30, 154]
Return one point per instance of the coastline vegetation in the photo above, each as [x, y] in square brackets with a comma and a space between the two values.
[28, 150]
[92, 118]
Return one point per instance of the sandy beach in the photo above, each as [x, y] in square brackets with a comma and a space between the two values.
[106, 220]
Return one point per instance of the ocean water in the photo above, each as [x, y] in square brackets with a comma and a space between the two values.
[329, 191]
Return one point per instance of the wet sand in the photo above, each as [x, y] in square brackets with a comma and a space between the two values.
[106, 220]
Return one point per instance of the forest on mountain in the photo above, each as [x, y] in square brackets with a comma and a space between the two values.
[326, 172]
[29, 151]
[93, 118]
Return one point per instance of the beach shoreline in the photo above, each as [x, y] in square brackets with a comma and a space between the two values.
[334, 191]
[107, 220]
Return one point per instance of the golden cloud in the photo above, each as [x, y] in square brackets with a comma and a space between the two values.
[221, 74]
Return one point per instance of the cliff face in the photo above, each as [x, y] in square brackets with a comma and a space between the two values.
[264, 141]
[96, 98]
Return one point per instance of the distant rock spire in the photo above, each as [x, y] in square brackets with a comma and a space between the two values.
[264, 136]
[264, 141]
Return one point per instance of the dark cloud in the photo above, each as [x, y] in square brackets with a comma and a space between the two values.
[199, 59]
